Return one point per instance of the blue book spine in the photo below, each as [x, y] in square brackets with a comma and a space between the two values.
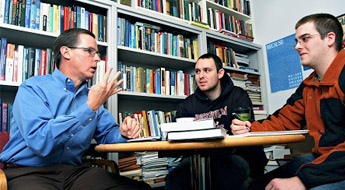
[25, 63]
[147, 81]
[3, 58]
[33, 15]
[158, 81]
[86, 20]
[79, 17]
[100, 28]
[61, 18]
[133, 78]
[118, 31]
[27, 13]
[7, 12]
[9, 116]
[172, 82]
[119, 68]
[37, 62]
[51, 21]
[130, 35]
[38, 14]
[155, 122]
[153, 40]
[127, 25]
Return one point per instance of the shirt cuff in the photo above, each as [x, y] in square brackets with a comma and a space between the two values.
[86, 115]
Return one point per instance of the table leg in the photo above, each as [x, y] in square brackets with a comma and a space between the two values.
[200, 172]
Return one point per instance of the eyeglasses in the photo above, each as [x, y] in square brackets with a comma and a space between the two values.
[91, 51]
[303, 39]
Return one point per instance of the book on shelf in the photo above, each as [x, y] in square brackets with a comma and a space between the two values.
[201, 134]
[42, 16]
[200, 24]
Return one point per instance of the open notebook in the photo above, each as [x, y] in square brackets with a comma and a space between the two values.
[269, 133]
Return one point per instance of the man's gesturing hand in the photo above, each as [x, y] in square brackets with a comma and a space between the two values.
[100, 93]
[130, 128]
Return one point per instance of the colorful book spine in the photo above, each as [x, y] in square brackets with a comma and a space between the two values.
[4, 116]
[33, 13]
[3, 58]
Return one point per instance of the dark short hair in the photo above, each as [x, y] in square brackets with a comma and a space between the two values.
[325, 23]
[67, 38]
[216, 59]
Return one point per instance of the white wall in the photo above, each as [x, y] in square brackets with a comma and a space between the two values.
[275, 19]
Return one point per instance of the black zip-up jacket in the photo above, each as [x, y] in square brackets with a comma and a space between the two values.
[198, 105]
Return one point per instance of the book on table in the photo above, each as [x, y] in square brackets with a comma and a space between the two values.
[270, 133]
[188, 125]
[201, 134]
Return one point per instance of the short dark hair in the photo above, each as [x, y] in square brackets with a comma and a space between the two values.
[216, 59]
[67, 38]
[325, 23]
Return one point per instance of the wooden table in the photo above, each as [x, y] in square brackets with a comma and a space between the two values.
[199, 145]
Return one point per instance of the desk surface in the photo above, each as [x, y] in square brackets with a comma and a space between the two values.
[222, 143]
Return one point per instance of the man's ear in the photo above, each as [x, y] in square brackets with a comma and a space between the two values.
[330, 37]
[65, 52]
[221, 73]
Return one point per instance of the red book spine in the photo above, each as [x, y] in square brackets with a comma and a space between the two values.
[43, 62]
[65, 18]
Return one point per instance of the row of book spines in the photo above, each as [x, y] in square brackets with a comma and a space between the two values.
[242, 6]
[53, 18]
[183, 9]
[18, 62]
[218, 20]
[226, 54]
[6, 115]
[150, 120]
[151, 39]
[157, 81]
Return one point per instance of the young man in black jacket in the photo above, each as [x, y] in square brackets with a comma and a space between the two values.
[216, 97]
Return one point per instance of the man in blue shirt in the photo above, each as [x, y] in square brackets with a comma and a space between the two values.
[56, 116]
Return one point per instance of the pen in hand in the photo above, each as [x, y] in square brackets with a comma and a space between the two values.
[238, 117]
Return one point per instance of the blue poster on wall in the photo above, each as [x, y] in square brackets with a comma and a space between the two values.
[284, 64]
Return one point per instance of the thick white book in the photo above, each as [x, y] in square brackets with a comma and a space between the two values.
[188, 126]
[213, 133]
[270, 133]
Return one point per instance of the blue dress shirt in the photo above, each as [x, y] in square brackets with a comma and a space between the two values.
[52, 123]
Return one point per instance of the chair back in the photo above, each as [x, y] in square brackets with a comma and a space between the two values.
[4, 138]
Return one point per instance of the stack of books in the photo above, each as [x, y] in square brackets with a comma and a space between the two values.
[192, 130]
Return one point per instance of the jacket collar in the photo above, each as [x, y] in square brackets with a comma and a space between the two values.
[332, 73]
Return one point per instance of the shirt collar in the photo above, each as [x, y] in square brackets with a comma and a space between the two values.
[66, 82]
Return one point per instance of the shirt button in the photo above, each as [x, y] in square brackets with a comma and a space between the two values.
[69, 80]
[72, 135]
[90, 119]
[67, 148]
[64, 89]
